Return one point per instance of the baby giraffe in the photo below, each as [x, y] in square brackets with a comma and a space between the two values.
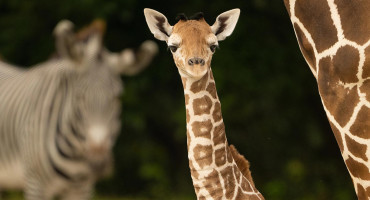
[218, 171]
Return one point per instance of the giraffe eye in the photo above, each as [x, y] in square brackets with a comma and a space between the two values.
[213, 47]
[173, 48]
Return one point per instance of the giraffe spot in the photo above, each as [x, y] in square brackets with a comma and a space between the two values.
[306, 47]
[203, 155]
[211, 88]
[366, 67]
[183, 80]
[199, 85]
[202, 105]
[219, 136]
[213, 185]
[202, 129]
[318, 23]
[357, 169]
[346, 62]
[287, 6]
[229, 181]
[201, 197]
[187, 99]
[217, 115]
[220, 157]
[339, 101]
[338, 136]
[367, 192]
[365, 88]
[237, 172]
[241, 195]
[193, 171]
[357, 149]
[355, 26]
[362, 193]
[245, 185]
[257, 197]
[361, 126]
[187, 116]
[229, 155]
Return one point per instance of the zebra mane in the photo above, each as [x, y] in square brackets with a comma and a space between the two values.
[98, 26]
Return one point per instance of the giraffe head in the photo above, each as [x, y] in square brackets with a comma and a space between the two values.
[192, 42]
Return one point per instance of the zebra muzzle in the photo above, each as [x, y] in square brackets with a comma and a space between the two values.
[98, 167]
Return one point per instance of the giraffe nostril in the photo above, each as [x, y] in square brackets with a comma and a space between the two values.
[202, 62]
[191, 62]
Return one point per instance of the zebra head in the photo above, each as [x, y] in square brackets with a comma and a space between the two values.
[97, 87]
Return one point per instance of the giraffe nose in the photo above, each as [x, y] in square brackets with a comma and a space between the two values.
[196, 61]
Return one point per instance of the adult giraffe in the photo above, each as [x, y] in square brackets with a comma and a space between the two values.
[217, 169]
[334, 37]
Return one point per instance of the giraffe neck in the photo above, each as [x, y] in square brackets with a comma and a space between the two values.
[214, 171]
[338, 51]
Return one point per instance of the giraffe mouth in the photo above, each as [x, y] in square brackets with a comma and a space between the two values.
[184, 72]
[194, 72]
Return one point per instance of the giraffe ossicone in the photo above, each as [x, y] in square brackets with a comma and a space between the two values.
[218, 171]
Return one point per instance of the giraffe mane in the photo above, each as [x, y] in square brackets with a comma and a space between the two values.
[242, 163]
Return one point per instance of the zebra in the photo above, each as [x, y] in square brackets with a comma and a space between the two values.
[60, 118]
[7, 71]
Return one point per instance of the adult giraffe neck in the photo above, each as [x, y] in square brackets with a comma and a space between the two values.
[214, 171]
[336, 46]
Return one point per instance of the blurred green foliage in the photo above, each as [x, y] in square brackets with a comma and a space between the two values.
[270, 102]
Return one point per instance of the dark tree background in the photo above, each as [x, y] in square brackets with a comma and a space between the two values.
[270, 102]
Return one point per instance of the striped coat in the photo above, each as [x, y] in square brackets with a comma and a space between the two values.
[59, 119]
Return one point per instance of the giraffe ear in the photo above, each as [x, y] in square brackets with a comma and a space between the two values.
[158, 24]
[225, 23]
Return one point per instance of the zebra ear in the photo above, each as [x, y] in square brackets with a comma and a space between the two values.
[130, 62]
[64, 38]
[84, 45]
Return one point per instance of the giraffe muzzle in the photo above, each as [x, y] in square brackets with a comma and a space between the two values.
[196, 61]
